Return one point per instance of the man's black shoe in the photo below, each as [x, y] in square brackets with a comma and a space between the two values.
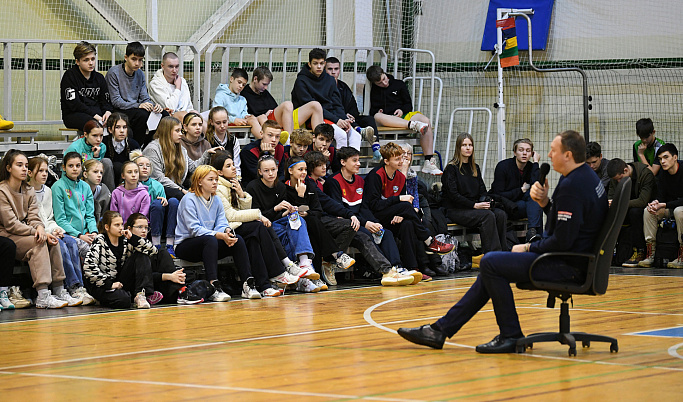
[440, 271]
[499, 344]
[427, 271]
[424, 335]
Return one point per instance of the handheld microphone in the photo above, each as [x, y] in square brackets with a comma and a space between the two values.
[545, 169]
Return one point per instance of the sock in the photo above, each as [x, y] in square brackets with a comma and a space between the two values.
[43, 293]
[170, 241]
[5, 288]
[303, 258]
[286, 261]
[156, 240]
[428, 157]
[428, 241]
[57, 289]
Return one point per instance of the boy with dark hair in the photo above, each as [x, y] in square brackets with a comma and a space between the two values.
[261, 104]
[323, 135]
[128, 92]
[595, 160]
[314, 84]
[228, 96]
[669, 203]
[513, 178]
[385, 196]
[299, 143]
[268, 144]
[346, 187]
[84, 92]
[392, 106]
[366, 125]
[642, 192]
[645, 149]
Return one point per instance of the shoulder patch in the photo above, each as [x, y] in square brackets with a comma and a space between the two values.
[564, 215]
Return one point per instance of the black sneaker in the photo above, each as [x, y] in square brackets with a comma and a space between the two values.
[185, 298]
[366, 273]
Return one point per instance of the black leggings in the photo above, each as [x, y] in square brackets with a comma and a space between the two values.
[135, 275]
[324, 245]
[209, 250]
[261, 253]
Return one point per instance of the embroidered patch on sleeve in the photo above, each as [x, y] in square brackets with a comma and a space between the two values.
[564, 215]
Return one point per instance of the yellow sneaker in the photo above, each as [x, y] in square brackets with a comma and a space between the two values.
[284, 136]
[5, 124]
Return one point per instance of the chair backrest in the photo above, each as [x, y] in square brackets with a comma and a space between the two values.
[607, 238]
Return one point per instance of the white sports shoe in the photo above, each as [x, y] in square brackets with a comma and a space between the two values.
[285, 278]
[344, 261]
[368, 134]
[70, 301]
[320, 284]
[310, 272]
[49, 301]
[270, 292]
[140, 300]
[417, 276]
[249, 289]
[82, 294]
[431, 168]
[4, 301]
[419, 126]
[328, 274]
[393, 278]
[294, 269]
[219, 295]
[307, 286]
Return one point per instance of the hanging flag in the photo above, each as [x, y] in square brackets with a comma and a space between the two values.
[510, 55]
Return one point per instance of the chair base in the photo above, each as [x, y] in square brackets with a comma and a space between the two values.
[566, 338]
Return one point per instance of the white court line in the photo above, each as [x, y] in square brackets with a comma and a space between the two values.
[367, 315]
[673, 351]
[218, 387]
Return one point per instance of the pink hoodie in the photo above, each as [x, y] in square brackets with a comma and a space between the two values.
[128, 202]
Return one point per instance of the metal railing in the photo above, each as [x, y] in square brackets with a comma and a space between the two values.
[420, 92]
[32, 88]
[282, 58]
[469, 131]
[432, 75]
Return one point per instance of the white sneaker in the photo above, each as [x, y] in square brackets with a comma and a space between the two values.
[4, 301]
[294, 269]
[393, 278]
[249, 289]
[285, 278]
[368, 134]
[140, 300]
[270, 292]
[320, 284]
[328, 274]
[306, 286]
[417, 276]
[431, 168]
[70, 301]
[50, 301]
[310, 272]
[82, 294]
[419, 126]
[219, 295]
[16, 298]
[344, 261]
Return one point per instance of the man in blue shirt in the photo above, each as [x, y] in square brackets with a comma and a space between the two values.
[575, 216]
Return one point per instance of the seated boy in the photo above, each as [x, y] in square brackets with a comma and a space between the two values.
[391, 105]
[642, 192]
[322, 140]
[261, 104]
[346, 187]
[299, 142]
[669, 203]
[513, 178]
[645, 149]
[385, 196]
[314, 84]
[229, 97]
[84, 92]
[268, 144]
[128, 92]
[595, 160]
[169, 89]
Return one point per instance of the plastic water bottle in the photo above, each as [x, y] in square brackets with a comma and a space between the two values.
[377, 236]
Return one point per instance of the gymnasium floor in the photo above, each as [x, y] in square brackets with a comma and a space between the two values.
[341, 345]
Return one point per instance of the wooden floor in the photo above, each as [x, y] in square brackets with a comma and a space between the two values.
[341, 345]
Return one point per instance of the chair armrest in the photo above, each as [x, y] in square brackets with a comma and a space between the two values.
[561, 287]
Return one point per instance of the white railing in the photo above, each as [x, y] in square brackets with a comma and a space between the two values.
[413, 70]
[154, 50]
[420, 92]
[282, 58]
[471, 111]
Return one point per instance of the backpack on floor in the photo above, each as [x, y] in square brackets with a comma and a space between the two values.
[200, 289]
[667, 245]
[450, 261]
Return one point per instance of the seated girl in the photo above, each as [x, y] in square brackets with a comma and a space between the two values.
[37, 173]
[168, 279]
[162, 212]
[20, 222]
[92, 175]
[463, 195]
[255, 228]
[203, 234]
[192, 140]
[130, 197]
[217, 134]
[118, 145]
[90, 146]
[72, 203]
[269, 197]
[118, 266]
[170, 163]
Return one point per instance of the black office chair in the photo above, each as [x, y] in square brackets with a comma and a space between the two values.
[597, 278]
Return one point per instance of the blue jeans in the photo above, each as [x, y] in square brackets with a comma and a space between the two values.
[295, 242]
[156, 217]
[528, 208]
[498, 269]
[71, 262]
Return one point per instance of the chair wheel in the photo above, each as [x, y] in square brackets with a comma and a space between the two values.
[572, 351]
[586, 344]
[521, 348]
[613, 348]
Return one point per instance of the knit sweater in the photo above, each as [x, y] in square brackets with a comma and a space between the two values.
[73, 205]
[195, 149]
[153, 152]
[129, 202]
[198, 217]
[101, 265]
[19, 211]
[243, 213]
[47, 216]
[126, 91]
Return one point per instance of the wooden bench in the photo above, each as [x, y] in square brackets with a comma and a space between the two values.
[67, 132]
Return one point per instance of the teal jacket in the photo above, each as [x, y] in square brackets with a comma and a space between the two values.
[85, 149]
[73, 206]
[154, 188]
